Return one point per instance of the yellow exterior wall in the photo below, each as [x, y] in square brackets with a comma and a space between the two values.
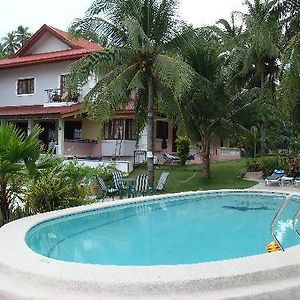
[91, 130]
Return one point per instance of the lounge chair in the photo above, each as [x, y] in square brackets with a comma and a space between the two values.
[160, 187]
[119, 183]
[297, 181]
[106, 190]
[170, 159]
[141, 185]
[275, 177]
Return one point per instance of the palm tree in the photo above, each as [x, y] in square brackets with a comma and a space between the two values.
[2, 53]
[10, 43]
[289, 86]
[261, 51]
[140, 62]
[22, 35]
[207, 108]
[18, 153]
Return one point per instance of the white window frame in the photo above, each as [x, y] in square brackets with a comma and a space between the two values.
[34, 86]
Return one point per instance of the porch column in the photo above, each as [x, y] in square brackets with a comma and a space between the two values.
[142, 144]
[29, 126]
[1, 122]
[61, 137]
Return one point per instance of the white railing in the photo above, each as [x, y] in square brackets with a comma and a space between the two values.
[225, 151]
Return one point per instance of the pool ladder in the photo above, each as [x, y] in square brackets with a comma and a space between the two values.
[277, 216]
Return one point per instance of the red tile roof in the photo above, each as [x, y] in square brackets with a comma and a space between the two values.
[33, 110]
[39, 110]
[79, 48]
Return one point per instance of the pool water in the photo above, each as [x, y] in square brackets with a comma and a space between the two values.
[197, 228]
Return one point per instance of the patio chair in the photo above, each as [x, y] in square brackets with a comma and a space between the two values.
[141, 185]
[170, 159]
[106, 190]
[162, 181]
[275, 177]
[297, 181]
[119, 183]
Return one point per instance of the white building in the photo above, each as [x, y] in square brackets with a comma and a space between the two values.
[33, 91]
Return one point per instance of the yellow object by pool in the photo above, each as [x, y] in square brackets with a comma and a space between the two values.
[272, 247]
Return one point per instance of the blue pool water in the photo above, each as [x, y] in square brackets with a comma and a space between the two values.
[179, 230]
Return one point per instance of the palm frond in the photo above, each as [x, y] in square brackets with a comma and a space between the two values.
[173, 73]
[110, 93]
[95, 64]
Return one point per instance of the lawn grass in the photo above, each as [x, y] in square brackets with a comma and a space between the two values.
[224, 175]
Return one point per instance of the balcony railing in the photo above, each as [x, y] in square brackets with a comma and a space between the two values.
[58, 95]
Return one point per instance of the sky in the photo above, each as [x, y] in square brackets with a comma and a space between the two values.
[60, 13]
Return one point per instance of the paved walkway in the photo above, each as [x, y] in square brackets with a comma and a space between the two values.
[257, 176]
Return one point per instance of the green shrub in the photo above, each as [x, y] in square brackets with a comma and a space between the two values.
[288, 163]
[269, 164]
[183, 148]
[253, 166]
[62, 185]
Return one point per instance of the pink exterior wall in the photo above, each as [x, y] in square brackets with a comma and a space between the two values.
[82, 149]
[221, 154]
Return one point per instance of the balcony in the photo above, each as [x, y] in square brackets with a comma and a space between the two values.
[58, 96]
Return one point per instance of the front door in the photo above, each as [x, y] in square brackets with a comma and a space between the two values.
[48, 134]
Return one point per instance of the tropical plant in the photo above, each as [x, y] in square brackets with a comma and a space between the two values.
[22, 35]
[18, 156]
[140, 63]
[261, 53]
[2, 52]
[13, 41]
[58, 185]
[183, 148]
[289, 85]
[207, 108]
[10, 43]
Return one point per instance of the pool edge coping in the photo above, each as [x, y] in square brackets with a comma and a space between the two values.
[211, 275]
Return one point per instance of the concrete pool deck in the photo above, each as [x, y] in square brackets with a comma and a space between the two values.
[25, 274]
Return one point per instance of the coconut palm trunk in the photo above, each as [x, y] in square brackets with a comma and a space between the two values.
[206, 158]
[263, 126]
[150, 129]
[4, 204]
[140, 58]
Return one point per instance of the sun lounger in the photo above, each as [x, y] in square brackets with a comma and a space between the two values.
[275, 177]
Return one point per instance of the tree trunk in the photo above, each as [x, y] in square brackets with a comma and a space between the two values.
[263, 126]
[4, 202]
[206, 158]
[263, 134]
[150, 129]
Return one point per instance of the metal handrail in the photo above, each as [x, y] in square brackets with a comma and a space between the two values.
[282, 207]
[294, 222]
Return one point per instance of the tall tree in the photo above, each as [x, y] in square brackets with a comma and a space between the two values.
[262, 50]
[141, 61]
[207, 108]
[22, 35]
[10, 43]
[290, 83]
[2, 52]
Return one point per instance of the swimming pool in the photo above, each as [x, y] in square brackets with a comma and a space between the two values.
[25, 273]
[188, 229]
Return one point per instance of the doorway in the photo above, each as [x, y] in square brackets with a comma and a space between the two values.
[47, 134]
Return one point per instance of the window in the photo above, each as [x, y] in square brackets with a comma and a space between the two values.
[73, 130]
[25, 86]
[162, 130]
[63, 83]
[119, 129]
